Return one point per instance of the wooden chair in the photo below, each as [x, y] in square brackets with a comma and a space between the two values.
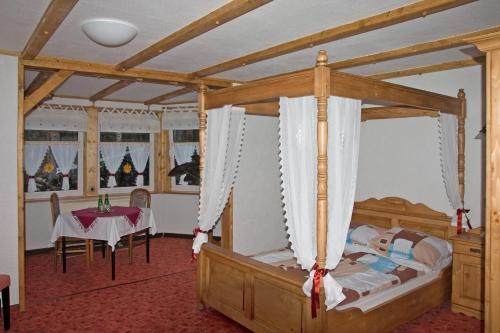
[72, 245]
[4, 287]
[140, 198]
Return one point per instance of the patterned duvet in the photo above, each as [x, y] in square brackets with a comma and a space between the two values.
[360, 273]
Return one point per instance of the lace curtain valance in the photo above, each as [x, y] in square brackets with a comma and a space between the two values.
[128, 121]
[180, 120]
[65, 119]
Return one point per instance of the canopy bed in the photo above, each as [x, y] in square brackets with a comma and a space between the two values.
[318, 157]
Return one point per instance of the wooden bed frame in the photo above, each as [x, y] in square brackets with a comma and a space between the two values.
[266, 299]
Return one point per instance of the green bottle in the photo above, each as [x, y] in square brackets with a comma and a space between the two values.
[107, 205]
[100, 207]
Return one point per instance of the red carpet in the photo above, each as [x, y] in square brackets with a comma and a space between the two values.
[159, 297]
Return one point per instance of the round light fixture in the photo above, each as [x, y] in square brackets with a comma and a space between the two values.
[109, 32]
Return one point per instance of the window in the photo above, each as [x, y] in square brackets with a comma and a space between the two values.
[184, 160]
[125, 160]
[52, 163]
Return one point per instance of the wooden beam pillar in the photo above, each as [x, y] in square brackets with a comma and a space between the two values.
[461, 144]
[45, 89]
[322, 92]
[20, 190]
[91, 159]
[490, 44]
[162, 160]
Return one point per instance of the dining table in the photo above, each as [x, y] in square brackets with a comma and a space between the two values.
[109, 226]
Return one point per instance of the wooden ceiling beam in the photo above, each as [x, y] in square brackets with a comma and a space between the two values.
[412, 50]
[390, 112]
[170, 95]
[45, 89]
[224, 14]
[388, 18]
[133, 74]
[37, 82]
[110, 90]
[429, 69]
[53, 16]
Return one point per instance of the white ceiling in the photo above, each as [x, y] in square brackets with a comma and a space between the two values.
[274, 23]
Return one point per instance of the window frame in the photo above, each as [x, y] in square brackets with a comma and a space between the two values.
[63, 193]
[128, 189]
[174, 187]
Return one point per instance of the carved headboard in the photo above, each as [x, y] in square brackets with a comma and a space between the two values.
[398, 212]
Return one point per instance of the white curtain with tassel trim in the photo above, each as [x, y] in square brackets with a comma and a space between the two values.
[33, 158]
[224, 138]
[140, 155]
[112, 156]
[65, 155]
[298, 152]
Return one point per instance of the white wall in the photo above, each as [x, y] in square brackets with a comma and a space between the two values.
[400, 157]
[174, 213]
[8, 182]
[258, 216]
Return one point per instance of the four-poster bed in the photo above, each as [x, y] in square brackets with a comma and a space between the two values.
[265, 298]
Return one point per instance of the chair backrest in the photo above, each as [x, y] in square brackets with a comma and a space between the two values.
[140, 198]
[54, 207]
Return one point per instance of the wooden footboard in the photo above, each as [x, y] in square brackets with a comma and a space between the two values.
[267, 299]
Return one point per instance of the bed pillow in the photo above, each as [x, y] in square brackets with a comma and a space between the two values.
[361, 234]
[407, 244]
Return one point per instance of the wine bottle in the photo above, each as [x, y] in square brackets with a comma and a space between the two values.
[107, 205]
[100, 206]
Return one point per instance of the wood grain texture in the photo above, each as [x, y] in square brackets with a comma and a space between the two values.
[375, 113]
[45, 89]
[37, 82]
[388, 18]
[55, 13]
[110, 90]
[91, 158]
[490, 43]
[429, 69]
[109, 71]
[21, 238]
[224, 14]
[461, 143]
[227, 224]
[264, 298]
[170, 95]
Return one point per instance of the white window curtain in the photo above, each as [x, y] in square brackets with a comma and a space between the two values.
[180, 120]
[65, 155]
[298, 153]
[128, 122]
[112, 155]
[140, 155]
[448, 131]
[183, 152]
[225, 130]
[33, 158]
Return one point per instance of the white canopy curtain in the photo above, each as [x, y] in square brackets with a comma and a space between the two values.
[64, 154]
[183, 151]
[140, 155]
[298, 155]
[448, 137]
[34, 153]
[225, 130]
[112, 156]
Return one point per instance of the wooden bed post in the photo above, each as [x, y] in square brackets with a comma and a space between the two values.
[461, 143]
[322, 92]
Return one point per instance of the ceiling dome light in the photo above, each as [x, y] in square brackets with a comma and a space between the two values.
[109, 32]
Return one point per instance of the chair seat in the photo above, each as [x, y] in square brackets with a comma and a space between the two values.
[4, 281]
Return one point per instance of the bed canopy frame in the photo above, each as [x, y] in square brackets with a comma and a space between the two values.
[261, 97]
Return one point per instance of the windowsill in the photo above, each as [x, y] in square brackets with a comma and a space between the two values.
[111, 195]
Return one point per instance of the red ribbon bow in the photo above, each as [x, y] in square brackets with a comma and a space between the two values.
[196, 231]
[318, 274]
[461, 211]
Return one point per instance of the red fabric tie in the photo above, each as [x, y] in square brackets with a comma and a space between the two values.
[196, 231]
[318, 274]
[461, 211]
[31, 177]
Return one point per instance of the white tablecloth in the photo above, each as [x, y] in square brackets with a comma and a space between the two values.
[109, 229]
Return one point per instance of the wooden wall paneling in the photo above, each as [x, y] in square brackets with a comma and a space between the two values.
[490, 44]
[374, 113]
[388, 18]
[322, 92]
[429, 69]
[55, 13]
[110, 90]
[170, 95]
[91, 158]
[20, 190]
[221, 15]
[45, 89]
[109, 71]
